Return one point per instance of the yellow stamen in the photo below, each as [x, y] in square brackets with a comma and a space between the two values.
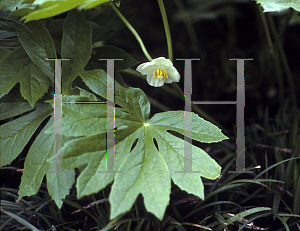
[165, 73]
[161, 74]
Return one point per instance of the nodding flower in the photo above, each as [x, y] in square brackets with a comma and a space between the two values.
[159, 71]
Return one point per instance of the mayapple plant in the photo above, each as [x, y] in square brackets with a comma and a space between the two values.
[141, 169]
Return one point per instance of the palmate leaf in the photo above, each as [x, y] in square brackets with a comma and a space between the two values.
[27, 64]
[15, 135]
[76, 45]
[39, 46]
[279, 5]
[146, 169]
[36, 167]
[16, 66]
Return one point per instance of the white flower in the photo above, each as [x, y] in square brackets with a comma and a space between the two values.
[159, 71]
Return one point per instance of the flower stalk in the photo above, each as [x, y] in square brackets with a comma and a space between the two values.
[167, 28]
[133, 31]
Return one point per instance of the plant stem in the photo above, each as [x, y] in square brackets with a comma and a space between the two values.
[170, 51]
[167, 28]
[133, 31]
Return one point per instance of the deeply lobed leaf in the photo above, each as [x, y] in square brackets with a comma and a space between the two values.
[144, 168]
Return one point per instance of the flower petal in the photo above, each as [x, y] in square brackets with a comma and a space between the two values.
[154, 82]
[144, 65]
[162, 62]
[169, 80]
[148, 70]
[173, 74]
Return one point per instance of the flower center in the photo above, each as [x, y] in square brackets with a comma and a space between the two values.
[160, 74]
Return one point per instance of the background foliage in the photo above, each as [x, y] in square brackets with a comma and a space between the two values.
[213, 31]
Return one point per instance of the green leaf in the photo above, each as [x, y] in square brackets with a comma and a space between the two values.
[38, 44]
[119, 78]
[10, 4]
[146, 169]
[88, 4]
[23, 10]
[110, 23]
[3, 52]
[10, 43]
[203, 130]
[55, 28]
[112, 52]
[16, 134]
[77, 46]
[85, 119]
[172, 148]
[88, 150]
[21, 220]
[241, 215]
[279, 5]
[36, 166]
[7, 29]
[17, 67]
[50, 8]
[133, 100]
[15, 96]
